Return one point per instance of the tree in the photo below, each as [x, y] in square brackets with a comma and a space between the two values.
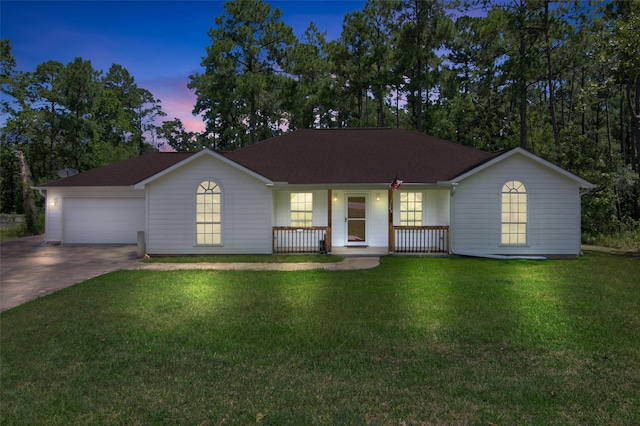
[421, 29]
[349, 54]
[174, 133]
[309, 97]
[68, 116]
[623, 48]
[80, 89]
[378, 18]
[246, 53]
[7, 72]
[27, 199]
[521, 32]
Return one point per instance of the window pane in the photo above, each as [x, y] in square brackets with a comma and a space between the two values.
[301, 209]
[411, 209]
[514, 213]
[356, 230]
[208, 213]
[356, 207]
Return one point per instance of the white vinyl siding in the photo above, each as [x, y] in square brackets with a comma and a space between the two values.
[435, 208]
[553, 210]
[377, 213]
[246, 209]
[282, 208]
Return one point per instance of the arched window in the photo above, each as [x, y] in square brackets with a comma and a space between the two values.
[208, 213]
[514, 213]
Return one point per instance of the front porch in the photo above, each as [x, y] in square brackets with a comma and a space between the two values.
[403, 239]
[355, 220]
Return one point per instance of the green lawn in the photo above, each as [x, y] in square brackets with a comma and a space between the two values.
[414, 341]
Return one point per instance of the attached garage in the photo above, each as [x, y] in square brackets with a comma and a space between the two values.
[104, 220]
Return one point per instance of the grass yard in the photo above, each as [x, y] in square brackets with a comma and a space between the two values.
[414, 341]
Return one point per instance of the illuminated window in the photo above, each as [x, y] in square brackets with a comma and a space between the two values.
[514, 213]
[208, 214]
[302, 209]
[411, 209]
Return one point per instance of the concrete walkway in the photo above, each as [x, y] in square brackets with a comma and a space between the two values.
[349, 263]
[30, 269]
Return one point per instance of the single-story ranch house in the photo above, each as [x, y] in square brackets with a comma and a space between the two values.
[323, 190]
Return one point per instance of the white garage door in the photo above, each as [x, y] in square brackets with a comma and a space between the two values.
[103, 220]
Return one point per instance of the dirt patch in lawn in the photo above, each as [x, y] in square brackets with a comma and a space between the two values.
[611, 250]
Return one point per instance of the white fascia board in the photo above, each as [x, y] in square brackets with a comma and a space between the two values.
[377, 186]
[519, 151]
[206, 151]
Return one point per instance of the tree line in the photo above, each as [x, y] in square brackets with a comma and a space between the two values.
[560, 79]
[67, 117]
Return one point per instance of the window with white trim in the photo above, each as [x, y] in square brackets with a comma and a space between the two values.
[514, 213]
[302, 209]
[411, 209]
[208, 214]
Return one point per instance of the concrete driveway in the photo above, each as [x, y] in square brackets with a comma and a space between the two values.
[30, 269]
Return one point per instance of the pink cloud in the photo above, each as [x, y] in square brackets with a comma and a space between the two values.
[176, 99]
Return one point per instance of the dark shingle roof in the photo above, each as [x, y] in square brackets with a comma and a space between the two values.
[316, 156]
[123, 173]
[343, 156]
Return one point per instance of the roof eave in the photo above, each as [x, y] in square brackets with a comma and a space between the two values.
[45, 188]
[377, 185]
[507, 154]
[206, 151]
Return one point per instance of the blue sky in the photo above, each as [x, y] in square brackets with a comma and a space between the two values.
[160, 42]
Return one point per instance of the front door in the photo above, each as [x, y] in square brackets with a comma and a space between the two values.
[356, 219]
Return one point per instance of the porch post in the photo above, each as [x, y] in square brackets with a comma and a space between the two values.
[392, 242]
[329, 210]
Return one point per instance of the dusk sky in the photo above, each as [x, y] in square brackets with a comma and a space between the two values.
[159, 42]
